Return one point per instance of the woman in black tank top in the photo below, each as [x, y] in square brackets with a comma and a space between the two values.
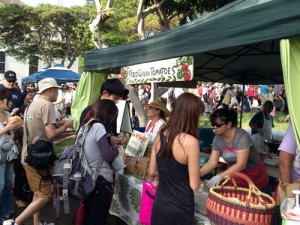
[175, 159]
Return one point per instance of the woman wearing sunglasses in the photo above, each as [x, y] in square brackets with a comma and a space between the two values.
[236, 147]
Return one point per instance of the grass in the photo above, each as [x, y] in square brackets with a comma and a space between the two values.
[59, 148]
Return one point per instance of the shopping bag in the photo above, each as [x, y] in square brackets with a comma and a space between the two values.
[147, 201]
[137, 144]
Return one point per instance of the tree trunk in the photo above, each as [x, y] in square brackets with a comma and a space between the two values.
[47, 59]
[95, 26]
[139, 109]
[140, 20]
[73, 59]
[142, 14]
[71, 62]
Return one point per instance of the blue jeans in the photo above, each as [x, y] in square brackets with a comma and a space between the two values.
[6, 176]
[96, 206]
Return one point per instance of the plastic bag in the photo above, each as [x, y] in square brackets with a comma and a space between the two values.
[147, 201]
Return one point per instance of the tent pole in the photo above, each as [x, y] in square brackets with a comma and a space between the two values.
[241, 113]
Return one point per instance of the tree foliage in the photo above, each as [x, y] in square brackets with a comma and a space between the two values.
[125, 19]
[46, 30]
[186, 10]
[170, 13]
[108, 27]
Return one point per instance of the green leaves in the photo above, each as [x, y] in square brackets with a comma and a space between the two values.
[46, 30]
[135, 197]
[123, 183]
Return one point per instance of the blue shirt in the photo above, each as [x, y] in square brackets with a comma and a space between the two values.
[264, 89]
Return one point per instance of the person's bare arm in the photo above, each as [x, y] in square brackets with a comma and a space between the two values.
[255, 127]
[285, 162]
[191, 145]
[53, 131]
[8, 127]
[211, 163]
[153, 166]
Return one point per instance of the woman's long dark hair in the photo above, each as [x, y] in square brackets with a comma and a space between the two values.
[183, 119]
[106, 112]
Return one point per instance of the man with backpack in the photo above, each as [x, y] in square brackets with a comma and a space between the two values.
[40, 124]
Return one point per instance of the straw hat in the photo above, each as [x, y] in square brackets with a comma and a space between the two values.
[158, 105]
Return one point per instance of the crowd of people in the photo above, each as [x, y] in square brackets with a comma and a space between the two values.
[237, 96]
[43, 125]
[219, 95]
[173, 149]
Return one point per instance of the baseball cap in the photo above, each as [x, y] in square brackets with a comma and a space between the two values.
[46, 84]
[10, 76]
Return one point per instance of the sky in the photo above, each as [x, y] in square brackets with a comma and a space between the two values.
[66, 3]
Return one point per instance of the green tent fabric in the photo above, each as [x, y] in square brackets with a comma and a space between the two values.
[87, 92]
[238, 43]
[290, 55]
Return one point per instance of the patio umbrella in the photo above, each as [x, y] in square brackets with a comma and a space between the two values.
[58, 72]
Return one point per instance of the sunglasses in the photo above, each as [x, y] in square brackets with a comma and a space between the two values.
[148, 107]
[11, 81]
[217, 124]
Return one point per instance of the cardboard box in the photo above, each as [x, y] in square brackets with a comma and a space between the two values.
[130, 163]
[142, 167]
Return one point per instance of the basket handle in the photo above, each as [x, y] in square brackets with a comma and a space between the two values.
[252, 187]
[239, 175]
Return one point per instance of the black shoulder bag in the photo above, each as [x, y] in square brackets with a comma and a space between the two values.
[40, 154]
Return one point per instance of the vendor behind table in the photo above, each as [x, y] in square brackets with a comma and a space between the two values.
[261, 127]
[237, 149]
[157, 113]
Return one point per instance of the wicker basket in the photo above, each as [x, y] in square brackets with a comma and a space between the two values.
[232, 205]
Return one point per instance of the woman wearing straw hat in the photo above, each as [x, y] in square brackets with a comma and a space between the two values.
[157, 113]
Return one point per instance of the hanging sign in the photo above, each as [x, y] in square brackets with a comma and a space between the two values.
[170, 70]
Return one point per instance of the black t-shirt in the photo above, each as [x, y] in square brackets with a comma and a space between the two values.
[258, 119]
